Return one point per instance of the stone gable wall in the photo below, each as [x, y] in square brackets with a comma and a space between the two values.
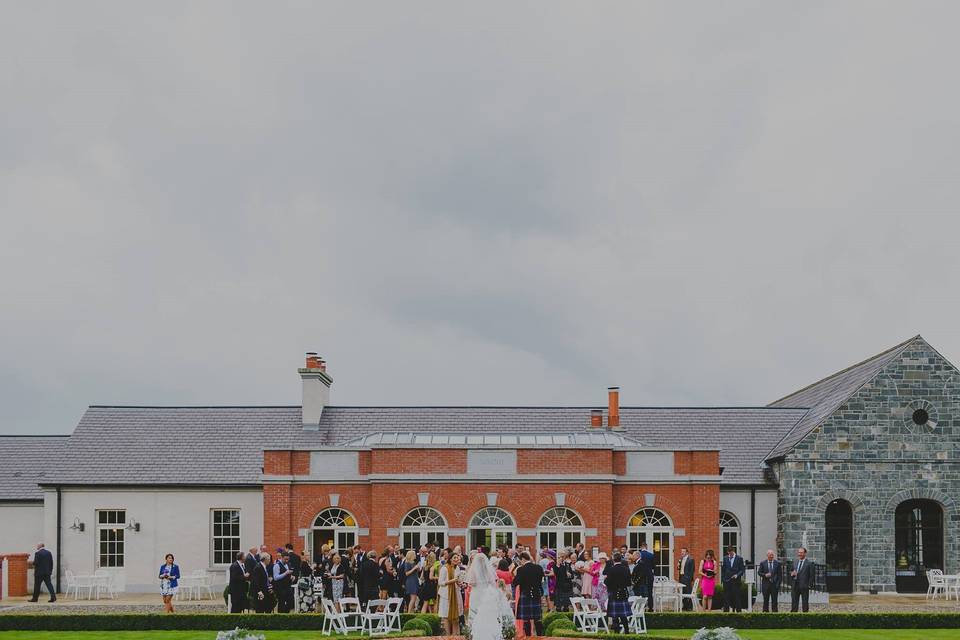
[870, 452]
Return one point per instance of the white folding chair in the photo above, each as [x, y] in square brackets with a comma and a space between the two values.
[71, 585]
[103, 581]
[692, 596]
[594, 616]
[205, 584]
[87, 582]
[393, 609]
[333, 620]
[350, 609]
[576, 605]
[374, 620]
[936, 584]
[637, 622]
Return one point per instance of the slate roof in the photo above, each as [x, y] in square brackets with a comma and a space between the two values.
[25, 461]
[822, 398]
[223, 445]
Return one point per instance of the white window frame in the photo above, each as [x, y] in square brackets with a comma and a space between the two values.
[653, 535]
[484, 520]
[726, 529]
[561, 520]
[418, 527]
[338, 529]
[213, 537]
[120, 528]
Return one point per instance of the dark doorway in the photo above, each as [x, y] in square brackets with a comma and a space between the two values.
[839, 547]
[919, 543]
[490, 538]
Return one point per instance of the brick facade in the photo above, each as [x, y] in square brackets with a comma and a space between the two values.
[605, 505]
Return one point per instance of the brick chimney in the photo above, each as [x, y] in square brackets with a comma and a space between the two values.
[596, 418]
[316, 390]
[613, 409]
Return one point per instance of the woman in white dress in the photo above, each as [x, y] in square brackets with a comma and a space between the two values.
[449, 595]
[488, 602]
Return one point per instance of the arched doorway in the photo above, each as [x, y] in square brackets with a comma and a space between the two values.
[653, 527]
[839, 546]
[560, 528]
[491, 527]
[334, 527]
[919, 543]
[421, 526]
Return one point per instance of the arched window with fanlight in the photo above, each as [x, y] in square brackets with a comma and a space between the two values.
[336, 528]
[729, 532]
[654, 528]
[421, 526]
[559, 528]
[491, 527]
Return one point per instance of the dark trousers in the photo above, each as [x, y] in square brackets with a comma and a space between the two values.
[285, 600]
[264, 604]
[770, 595]
[538, 625]
[644, 591]
[238, 601]
[37, 581]
[797, 595]
[620, 624]
[687, 604]
[731, 595]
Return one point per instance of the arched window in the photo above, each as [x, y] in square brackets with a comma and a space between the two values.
[918, 534]
[491, 527]
[560, 527]
[423, 525]
[729, 532]
[653, 527]
[334, 527]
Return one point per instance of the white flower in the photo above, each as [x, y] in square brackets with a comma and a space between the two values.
[722, 633]
[239, 634]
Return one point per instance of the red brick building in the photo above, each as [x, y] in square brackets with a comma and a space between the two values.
[470, 476]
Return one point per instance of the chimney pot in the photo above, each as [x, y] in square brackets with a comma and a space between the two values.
[596, 417]
[313, 362]
[613, 408]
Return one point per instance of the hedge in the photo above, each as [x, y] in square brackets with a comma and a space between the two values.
[566, 633]
[182, 622]
[817, 620]
[418, 624]
[558, 626]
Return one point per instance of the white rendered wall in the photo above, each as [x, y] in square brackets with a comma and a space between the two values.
[173, 521]
[737, 502]
[21, 527]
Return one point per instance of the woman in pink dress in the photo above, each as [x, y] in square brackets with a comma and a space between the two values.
[585, 568]
[599, 580]
[708, 578]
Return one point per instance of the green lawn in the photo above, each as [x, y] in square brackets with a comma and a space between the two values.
[757, 634]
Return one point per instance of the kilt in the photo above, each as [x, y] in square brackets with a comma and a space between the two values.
[618, 608]
[529, 608]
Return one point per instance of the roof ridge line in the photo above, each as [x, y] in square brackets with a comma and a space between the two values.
[833, 408]
[846, 369]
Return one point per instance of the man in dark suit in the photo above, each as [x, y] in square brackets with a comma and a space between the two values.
[617, 577]
[685, 569]
[529, 583]
[42, 570]
[238, 585]
[731, 574]
[802, 579]
[260, 585]
[294, 560]
[249, 566]
[769, 571]
[368, 579]
[648, 562]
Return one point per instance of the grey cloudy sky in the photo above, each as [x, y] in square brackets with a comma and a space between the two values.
[708, 203]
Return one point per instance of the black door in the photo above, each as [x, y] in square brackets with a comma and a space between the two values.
[919, 543]
[839, 547]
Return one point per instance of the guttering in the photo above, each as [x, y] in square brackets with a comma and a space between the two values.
[59, 552]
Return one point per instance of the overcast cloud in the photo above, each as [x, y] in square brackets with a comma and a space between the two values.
[707, 203]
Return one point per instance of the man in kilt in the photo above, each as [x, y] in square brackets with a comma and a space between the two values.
[617, 575]
[529, 582]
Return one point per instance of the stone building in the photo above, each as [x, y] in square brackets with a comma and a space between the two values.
[869, 478]
[860, 467]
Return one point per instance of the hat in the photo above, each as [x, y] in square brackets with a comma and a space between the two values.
[602, 556]
[549, 552]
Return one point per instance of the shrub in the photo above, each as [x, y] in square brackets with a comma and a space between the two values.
[553, 629]
[419, 624]
[548, 618]
[613, 636]
[434, 622]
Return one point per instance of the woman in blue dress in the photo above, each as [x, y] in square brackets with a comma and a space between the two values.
[169, 579]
